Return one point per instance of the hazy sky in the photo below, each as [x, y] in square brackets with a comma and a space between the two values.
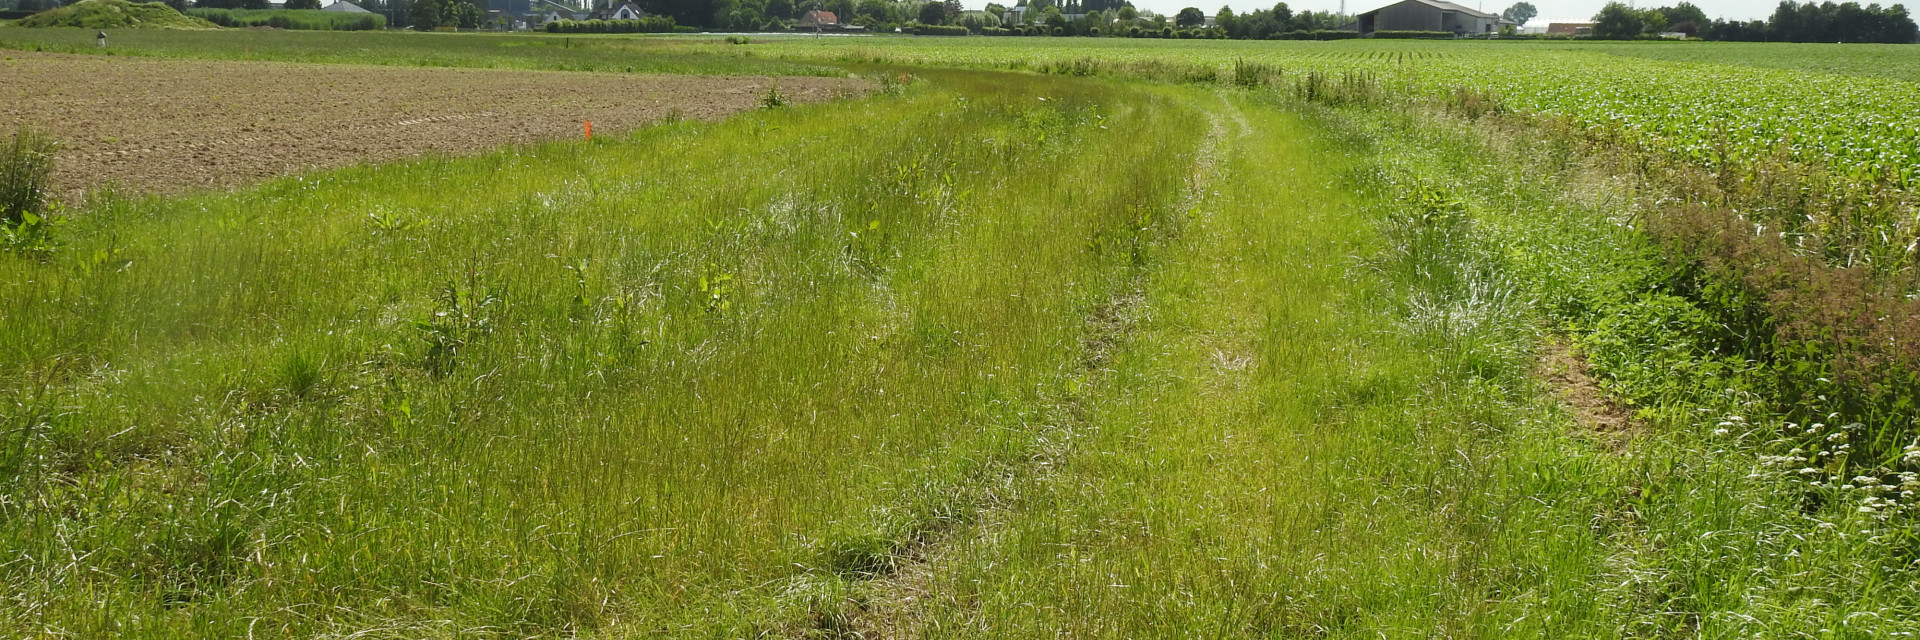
[1550, 10]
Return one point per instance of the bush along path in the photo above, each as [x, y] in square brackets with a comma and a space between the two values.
[1753, 509]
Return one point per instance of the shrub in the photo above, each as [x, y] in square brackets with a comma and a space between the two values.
[943, 30]
[1253, 74]
[1347, 88]
[1414, 35]
[114, 14]
[649, 24]
[1322, 34]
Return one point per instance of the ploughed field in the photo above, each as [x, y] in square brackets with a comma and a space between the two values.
[170, 125]
[1136, 339]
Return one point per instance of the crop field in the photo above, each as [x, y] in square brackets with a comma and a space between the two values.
[572, 53]
[957, 338]
[169, 125]
[1709, 111]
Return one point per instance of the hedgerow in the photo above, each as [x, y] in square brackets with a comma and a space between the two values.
[1414, 35]
[649, 24]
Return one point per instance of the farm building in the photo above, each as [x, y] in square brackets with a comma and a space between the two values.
[342, 6]
[1428, 15]
[1570, 29]
[817, 19]
[622, 11]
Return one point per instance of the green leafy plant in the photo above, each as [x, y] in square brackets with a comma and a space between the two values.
[773, 99]
[463, 315]
[387, 222]
[717, 289]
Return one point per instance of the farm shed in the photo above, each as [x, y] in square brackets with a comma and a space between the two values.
[1428, 15]
[622, 11]
[342, 6]
[817, 19]
[1570, 29]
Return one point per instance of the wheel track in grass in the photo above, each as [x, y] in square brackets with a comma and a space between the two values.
[895, 607]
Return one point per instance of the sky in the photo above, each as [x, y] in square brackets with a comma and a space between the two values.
[1550, 10]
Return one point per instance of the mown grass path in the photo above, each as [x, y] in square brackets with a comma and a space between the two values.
[1277, 444]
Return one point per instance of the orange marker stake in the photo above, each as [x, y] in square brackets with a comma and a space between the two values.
[589, 129]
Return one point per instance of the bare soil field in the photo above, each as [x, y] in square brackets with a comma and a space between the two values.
[163, 125]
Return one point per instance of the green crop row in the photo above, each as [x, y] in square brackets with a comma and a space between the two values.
[1859, 132]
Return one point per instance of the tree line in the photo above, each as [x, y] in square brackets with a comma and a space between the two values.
[1791, 22]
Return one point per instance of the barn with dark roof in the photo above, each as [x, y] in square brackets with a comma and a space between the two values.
[1428, 15]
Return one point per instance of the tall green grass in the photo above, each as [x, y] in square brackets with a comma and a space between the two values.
[26, 169]
[301, 19]
[985, 355]
[655, 381]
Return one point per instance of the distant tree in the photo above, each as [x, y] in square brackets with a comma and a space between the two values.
[302, 4]
[1849, 22]
[1618, 22]
[465, 15]
[1052, 18]
[1189, 17]
[696, 13]
[1735, 31]
[997, 10]
[1316, 20]
[1520, 12]
[875, 10]
[424, 15]
[781, 10]
[1683, 12]
[1653, 22]
[842, 9]
[1129, 14]
[953, 9]
[29, 5]
[253, 4]
[1227, 21]
[1282, 17]
[743, 19]
[933, 13]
